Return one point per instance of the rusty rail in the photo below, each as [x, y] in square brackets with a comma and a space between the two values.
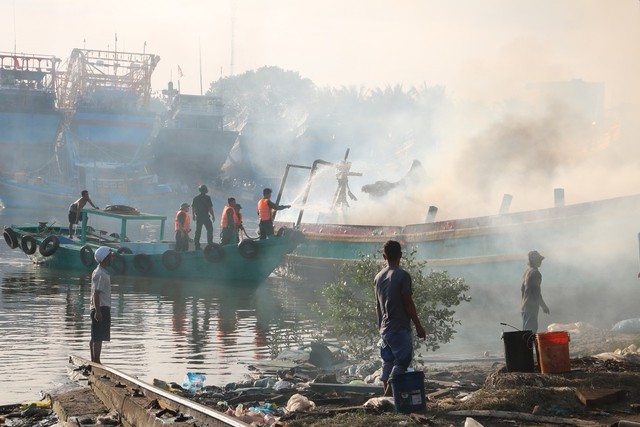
[132, 397]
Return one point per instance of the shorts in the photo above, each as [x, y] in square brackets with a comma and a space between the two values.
[73, 217]
[101, 331]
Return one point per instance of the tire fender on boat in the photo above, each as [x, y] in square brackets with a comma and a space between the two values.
[124, 250]
[142, 263]
[171, 259]
[248, 248]
[29, 244]
[11, 238]
[86, 256]
[119, 263]
[213, 253]
[49, 245]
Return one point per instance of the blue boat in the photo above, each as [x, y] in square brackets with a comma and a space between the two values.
[192, 142]
[140, 252]
[103, 144]
[30, 120]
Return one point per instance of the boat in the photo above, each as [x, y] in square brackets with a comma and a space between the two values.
[485, 250]
[192, 143]
[140, 248]
[30, 120]
[103, 144]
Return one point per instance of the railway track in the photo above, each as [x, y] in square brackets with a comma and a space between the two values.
[142, 404]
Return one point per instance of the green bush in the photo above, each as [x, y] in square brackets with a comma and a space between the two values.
[350, 312]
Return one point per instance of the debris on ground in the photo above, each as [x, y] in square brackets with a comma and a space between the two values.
[602, 388]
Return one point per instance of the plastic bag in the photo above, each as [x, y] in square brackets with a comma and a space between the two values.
[194, 381]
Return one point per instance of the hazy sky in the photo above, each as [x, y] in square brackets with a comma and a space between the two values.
[471, 46]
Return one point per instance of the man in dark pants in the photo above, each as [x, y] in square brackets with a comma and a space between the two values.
[265, 213]
[531, 293]
[396, 311]
[201, 208]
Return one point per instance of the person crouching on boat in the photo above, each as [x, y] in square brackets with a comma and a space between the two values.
[230, 223]
[75, 209]
[100, 302]
[265, 213]
[183, 228]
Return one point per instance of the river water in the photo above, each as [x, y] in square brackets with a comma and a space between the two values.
[161, 328]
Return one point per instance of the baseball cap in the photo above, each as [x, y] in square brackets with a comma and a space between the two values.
[101, 253]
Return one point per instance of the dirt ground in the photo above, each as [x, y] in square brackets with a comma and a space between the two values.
[488, 387]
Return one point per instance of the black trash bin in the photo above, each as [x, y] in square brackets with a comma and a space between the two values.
[518, 350]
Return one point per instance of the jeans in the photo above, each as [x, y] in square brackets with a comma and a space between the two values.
[396, 351]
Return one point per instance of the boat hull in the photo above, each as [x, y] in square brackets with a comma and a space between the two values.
[158, 259]
[493, 249]
[188, 152]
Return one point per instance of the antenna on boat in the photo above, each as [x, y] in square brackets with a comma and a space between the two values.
[200, 54]
[15, 37]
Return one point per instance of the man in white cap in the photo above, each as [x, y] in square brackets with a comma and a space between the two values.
[100, 302]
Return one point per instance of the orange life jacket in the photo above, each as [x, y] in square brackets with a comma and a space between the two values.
[264, 211]
[187, 222]
[224, 221]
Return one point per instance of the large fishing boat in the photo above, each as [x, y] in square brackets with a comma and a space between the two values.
[30, 120]
[192, 142]
[140, 249]
[106, 135]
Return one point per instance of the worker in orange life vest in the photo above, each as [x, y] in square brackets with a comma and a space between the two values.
[230, 222]
[265, 213]
[183, 227]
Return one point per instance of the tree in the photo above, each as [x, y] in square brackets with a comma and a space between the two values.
[350, 312]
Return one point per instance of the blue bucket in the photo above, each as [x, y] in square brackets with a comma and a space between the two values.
[408, 392]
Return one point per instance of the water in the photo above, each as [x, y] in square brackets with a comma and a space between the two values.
[161, 328]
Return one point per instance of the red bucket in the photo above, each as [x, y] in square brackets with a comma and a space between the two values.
[553, 350]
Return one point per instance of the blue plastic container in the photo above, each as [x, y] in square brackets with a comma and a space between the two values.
[408, 392]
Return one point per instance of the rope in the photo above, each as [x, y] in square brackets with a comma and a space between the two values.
[247, 236]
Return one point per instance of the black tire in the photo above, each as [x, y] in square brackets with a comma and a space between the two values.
[11, 238]
[124, 250]
[29, 244]
[171, 260]
[86, 256]
[49, 246]
[213, 253]
[119, 264]
[142, 263]
[248, 248]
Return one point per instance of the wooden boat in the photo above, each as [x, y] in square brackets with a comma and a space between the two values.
[486, 250]
[249, 261]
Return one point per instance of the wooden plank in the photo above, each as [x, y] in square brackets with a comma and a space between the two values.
[525, 417]
[347, 388]
[591, 397]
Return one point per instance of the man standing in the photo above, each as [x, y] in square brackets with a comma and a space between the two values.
[265, 214]
[230, 222]
[75, 209]
[100, 303]
[396, 310]
[202, 207]
[532, 294]
[183, 228]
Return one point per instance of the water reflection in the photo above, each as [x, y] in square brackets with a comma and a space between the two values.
[161, 328]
